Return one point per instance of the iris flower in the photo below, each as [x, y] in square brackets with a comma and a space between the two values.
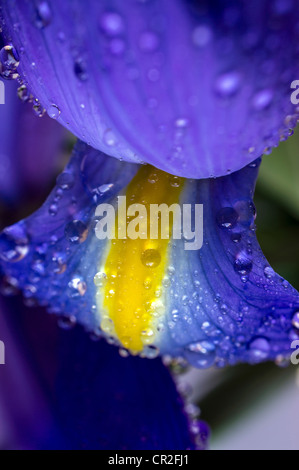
[171, 102]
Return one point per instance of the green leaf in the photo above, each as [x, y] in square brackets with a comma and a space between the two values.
[279, 174]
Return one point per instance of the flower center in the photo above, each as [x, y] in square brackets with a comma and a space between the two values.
[131, 298]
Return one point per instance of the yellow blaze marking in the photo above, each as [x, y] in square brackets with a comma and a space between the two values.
[131, 298]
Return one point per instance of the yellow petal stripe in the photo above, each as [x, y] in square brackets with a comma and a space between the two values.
[132, 275]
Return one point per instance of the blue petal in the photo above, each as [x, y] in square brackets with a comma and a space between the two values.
[61, 390]
[27, 419]
[20, 176]
[108, 402]
[217, 305]
[197, 90]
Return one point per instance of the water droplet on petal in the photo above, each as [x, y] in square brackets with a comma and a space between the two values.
[38, 109]
[53, 111]
[43, 14]
[181, 123]
[227, 218]
[228, 84]
[150, 258]
[65, 180]
[295, 320]
[150, 351]
[109, 138]
[9, 57]
[262, 99]
[24, 94]
[246, 211]
[13, 245]
[243, 264]
[76, 231]
[269, 272]
[99, 279]
[200, 354]
[53, 209]
[104, 188]
[112, 23]
[80, 69]
[77, 286]
[9, 61]
[67, 323]
[236, 237]
[259, 349]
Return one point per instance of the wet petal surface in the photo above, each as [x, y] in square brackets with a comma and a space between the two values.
[215, 302]
[196, 89]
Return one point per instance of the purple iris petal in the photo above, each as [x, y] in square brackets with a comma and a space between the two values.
[109, 402]
[223, 303]
[29, 147]
[61, 390]
[27, 421]
[197, 89]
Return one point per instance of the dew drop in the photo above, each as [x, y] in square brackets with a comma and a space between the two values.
[200, 354]
[80, 69]
[9, 286]
[171, 270]
[150, 258]
[295, 320]
[269, 272]
[9, 57]
[76, 231]
[99, 279]
[9, 61]
[175, 181]
[262, 99]
[53, 111]
[111, 23]
[181, 123]
[43, 14]
[24, 94]
[150, 351]
[104, 188]
[123, 352]
[78, 286]
[243, 264]
[53, 209]
[147, 283]
[236, 237]
[228, 84]
[259, 349]
[38, 109]
[67, 322]
[227, 218]
[109, 138]
[65, 180]
[166, 282]
[246, 211]
[13, 247]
